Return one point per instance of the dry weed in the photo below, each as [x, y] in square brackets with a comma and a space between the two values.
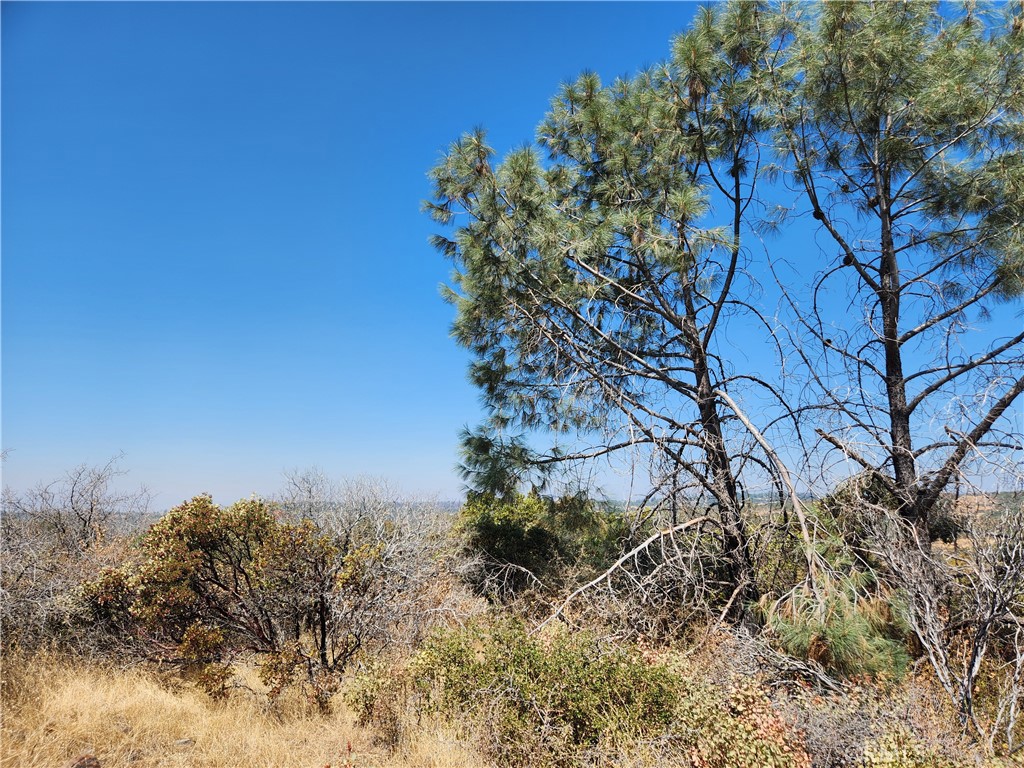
[55, 710]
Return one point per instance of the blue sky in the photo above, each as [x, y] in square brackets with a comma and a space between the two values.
[214, 260]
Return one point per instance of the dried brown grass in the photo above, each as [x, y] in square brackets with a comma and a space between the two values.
[55, 710]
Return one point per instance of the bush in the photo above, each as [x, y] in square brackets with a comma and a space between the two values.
[378, 696]
[851, 623]
[54, 537]
[737, 730]
[564, 699]
[850, 634]
[529, 541]
[213, 582]
[513, 540]
[544, 701]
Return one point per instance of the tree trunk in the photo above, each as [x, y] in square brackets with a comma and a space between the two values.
[901, 446]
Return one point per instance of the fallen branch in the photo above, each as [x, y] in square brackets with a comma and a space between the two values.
[606, 576]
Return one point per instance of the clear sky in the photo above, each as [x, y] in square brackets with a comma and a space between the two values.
[214, 260]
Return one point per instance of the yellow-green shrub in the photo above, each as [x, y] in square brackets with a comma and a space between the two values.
[560, 698]
[543, 701]
[214, 582]
[526, 540]
[848, 635]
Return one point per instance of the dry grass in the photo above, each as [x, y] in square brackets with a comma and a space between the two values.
[54, 711]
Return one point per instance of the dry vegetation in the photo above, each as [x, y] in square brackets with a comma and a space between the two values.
[56, 710]
[335, 626]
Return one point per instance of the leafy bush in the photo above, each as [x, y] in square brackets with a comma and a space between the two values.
[378, 696]
[214, 582]
[543, 701]
[737, 730]
[851, 623]
[528, 541]
[508, 533]
[562, 699]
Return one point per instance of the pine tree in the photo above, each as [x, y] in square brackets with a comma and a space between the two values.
[901, 125]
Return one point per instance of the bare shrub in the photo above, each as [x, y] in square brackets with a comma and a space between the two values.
[966, 609]
[418, 563]
[55, 536]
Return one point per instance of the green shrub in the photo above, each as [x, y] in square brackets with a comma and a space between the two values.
[528, 541]
[591, 536]
[850, 624]
[850, 635]
[544, 701]
[378, 696]
[508, 532]
[564, 699]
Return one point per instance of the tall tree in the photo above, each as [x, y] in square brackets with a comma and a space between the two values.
[593, 286]
[901, 126]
